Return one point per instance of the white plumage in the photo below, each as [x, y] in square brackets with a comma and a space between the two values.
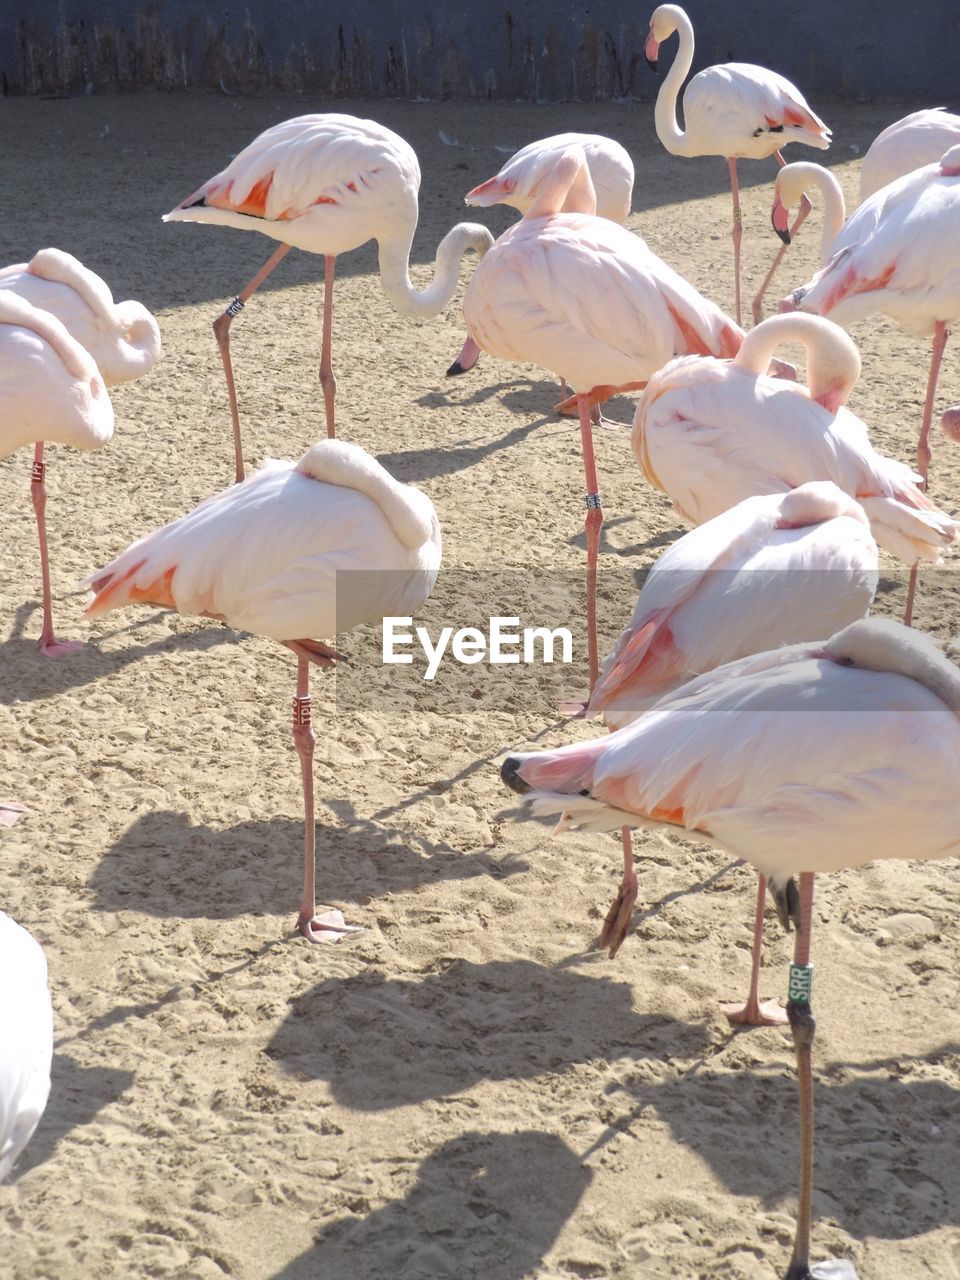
[122, 337]
[710, 433]
[26, 1039]
[918, 139]
[774, 569]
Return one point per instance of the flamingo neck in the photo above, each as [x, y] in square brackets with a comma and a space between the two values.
[395, 269]
[833, 362]
[879, 644]
[834, 209]
[669, 132]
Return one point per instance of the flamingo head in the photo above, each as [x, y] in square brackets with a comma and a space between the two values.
[663, 22]
[493, 191]
[780, 219]
[950, 162]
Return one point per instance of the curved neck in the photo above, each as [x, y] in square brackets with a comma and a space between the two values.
[834, 209]
[665, 115]
[833, 362]
[395, 269]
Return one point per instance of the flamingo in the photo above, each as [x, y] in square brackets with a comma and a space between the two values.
[304, 549]
[122, 337]
[50, 389]
[790, 188]
[775, 569]
[589, 300]
[328, 183]
[838, 747]
[519, 182]
[26, 1040]
[918, 139]
[732, 110]
[710, 433]
[899, 255]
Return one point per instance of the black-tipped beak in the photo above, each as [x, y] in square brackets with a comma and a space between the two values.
[510, 773]
[455, 370]
[783, 233]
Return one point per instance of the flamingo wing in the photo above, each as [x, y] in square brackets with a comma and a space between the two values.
[918, 139]
[26, 1043]
[738, 109]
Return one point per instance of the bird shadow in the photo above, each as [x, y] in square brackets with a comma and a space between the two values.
[462, 1023]
[164, 865]
[478, 1208]
[27, 676]
[77, 1094]
[883, 1159]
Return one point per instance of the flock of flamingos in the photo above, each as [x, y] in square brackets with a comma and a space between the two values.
[751, 703]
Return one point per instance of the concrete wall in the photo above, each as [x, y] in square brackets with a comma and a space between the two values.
[529, 49]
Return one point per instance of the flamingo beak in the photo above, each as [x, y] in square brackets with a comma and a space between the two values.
[510, 774]
[780, 220]
[651, 51]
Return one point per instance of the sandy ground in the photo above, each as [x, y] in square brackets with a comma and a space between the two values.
[465, 1090]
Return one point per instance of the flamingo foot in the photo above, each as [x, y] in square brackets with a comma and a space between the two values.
[755, 1013]
[11, 812]
[51, 647]
[617, 924]
[567, 408]
[328, 927]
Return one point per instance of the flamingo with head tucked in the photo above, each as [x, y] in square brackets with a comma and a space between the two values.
[50, 389]
[733, 110]
[298, 550]
[519, 182]
[838, 746]
[710, 433]
[775, 569]
[588, 300]
[328, 183]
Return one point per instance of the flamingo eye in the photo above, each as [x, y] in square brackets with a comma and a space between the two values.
[845, 661]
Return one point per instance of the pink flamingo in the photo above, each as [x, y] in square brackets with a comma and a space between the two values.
[122, 337]
[838, 747]
[890, 259]
[918, 139]
[732, 110]
[304, 549]
[710, 433]
[519, 182]
[328, 183]
[775, 569]
[26, 1040]
[50, 389]
[588, 300]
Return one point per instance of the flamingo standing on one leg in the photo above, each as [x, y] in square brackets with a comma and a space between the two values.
[50, 389]
[26, 1039]
[588, 300]
[838, 747]
[519, 182]
[733, 110]
[775, 569]
[298, 550]
[899, 255]
[327, 184]
[710, 433]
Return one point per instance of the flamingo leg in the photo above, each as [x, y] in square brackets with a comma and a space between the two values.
[617, 923]
[737, 226]
[330, 926]
[940, 335]
[805, 207]
[753, 1013]
[469, 354]
[221, 330]
[49, 645]
[803, 1027]
[328, 381]
[592, 526]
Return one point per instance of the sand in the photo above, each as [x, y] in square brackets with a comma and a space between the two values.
[466, 1089]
